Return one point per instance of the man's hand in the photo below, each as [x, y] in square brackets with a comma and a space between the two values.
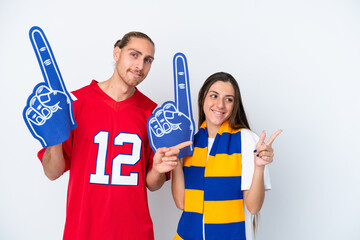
[166, 159]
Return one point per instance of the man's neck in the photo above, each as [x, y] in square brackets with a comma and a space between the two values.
[116, 90]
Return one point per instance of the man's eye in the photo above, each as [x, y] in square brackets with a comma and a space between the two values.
[148, 60]
[133, 54]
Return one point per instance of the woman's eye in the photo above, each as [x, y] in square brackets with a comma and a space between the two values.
[213, 96]
[229, 99]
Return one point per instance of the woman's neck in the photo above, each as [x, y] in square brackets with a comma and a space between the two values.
[212, 131]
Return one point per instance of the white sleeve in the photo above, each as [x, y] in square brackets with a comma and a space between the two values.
[248, 142]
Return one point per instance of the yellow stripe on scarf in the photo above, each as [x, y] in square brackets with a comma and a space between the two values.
[194, 200]
[224, 211]
[198, 159]
[217, 168]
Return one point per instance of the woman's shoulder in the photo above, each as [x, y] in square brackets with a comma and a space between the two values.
[248, 136]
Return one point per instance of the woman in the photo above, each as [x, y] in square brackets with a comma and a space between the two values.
[224, 181]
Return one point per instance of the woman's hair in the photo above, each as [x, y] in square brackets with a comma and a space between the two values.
[127, 37]
[255, 221]
[237, 117]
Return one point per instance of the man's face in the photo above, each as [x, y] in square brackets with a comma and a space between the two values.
[133, 61]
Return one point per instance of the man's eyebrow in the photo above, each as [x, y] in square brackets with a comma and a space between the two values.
[140, 53]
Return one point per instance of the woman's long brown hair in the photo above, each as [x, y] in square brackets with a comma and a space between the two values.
[238, 117]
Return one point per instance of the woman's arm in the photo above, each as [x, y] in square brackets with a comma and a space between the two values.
[263, 155]
[178, 186]
[254, 197]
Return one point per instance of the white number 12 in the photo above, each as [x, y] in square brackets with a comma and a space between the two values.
[99, 177]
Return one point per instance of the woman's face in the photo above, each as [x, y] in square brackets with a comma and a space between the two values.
[218, 104]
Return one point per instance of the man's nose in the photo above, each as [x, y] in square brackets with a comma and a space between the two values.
[139, 64]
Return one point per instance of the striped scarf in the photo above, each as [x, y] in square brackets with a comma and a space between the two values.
[213, 188]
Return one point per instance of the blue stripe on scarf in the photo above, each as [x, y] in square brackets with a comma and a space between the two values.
[225, 145]
[201, 138]
[222, 188]
[229, 231]
[190, 226]
[194, 177]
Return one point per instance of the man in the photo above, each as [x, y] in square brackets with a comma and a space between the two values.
[108, 154]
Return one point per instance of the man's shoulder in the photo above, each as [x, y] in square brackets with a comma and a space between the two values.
[76, 94]
[144, 102]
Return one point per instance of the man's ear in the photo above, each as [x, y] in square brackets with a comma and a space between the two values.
[116, 53]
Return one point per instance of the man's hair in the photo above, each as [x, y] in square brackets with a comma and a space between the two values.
[127, 37]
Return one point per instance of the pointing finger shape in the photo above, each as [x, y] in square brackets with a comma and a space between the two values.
[46, 59]
[181, 85]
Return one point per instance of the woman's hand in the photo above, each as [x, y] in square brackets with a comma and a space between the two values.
[264, 153]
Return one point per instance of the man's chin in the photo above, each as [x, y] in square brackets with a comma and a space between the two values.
[136, 82]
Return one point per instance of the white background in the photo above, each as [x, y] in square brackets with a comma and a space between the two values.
[298, 67]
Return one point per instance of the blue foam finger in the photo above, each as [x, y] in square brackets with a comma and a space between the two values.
[180, 134]
[183, 97]
[48, 113]
[178, 114]
[154, 126]
[46, 59]
[182, 84]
